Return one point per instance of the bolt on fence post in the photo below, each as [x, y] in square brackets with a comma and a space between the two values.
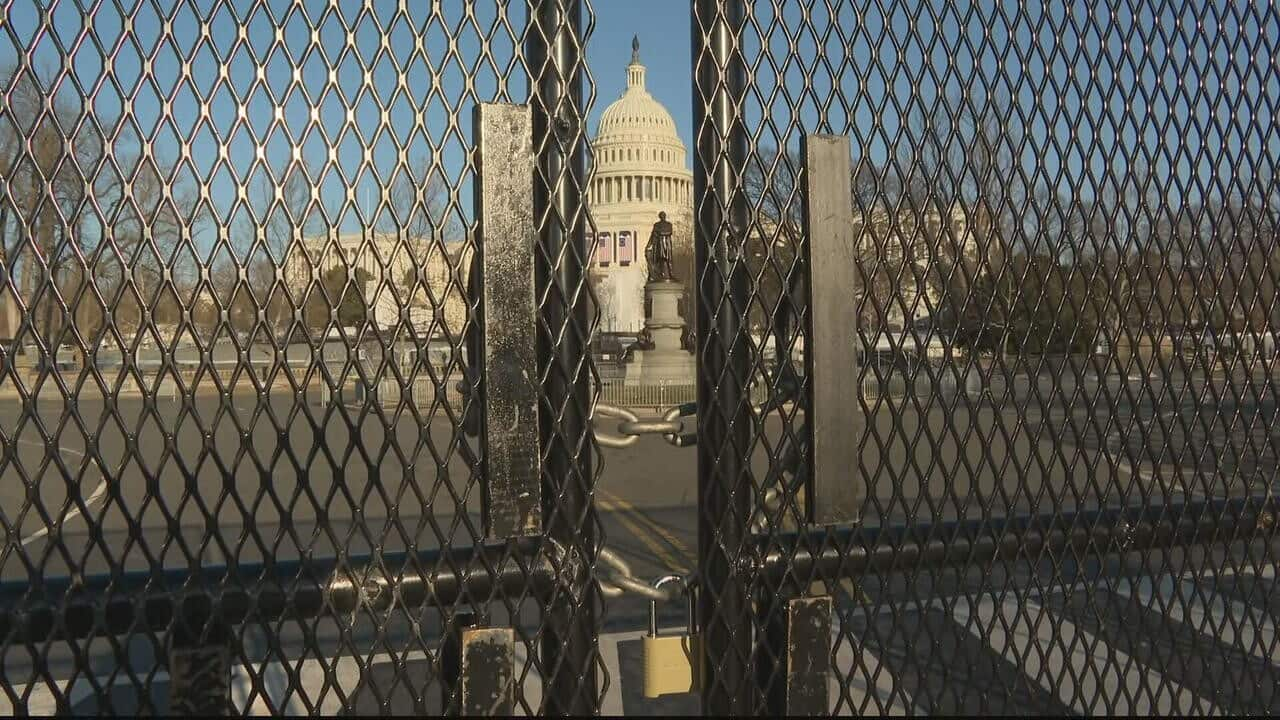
[724, 483]
[554, 51]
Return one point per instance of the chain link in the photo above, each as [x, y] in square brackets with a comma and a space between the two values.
[622, 580]
[669, 425]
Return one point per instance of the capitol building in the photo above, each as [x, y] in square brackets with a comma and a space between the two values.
[640, 170]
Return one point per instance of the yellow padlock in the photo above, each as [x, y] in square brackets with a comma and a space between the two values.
[672, 663]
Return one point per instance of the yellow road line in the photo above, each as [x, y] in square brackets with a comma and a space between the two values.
[654, 526]
[638, 528]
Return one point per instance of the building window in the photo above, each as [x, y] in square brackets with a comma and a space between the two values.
[604, 248]
[626, 248]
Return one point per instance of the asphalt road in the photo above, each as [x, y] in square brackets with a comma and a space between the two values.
[307, 476]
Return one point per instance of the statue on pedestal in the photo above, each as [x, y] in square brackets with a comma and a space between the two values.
[659, 357]
[658, 254]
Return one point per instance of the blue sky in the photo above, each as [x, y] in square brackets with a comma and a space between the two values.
[665, 49]
[378, 96]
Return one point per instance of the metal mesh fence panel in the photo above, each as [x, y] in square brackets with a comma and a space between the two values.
[992, 434]
[237, 240]
[1064, 225]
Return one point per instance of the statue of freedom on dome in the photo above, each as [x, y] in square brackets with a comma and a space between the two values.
[657, 254]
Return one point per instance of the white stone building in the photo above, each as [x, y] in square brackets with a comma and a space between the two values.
[434, 300]
[640, 170]
[899, 250]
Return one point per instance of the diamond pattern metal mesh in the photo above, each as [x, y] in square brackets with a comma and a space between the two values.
[235, 398]
[236, 246]
[1066, 243]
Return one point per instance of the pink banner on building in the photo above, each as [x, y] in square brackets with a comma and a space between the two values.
[604, 248]
[626, 248]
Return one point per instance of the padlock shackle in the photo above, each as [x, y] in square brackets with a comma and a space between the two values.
[653, 603]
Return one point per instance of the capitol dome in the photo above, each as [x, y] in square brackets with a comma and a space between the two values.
[639, 171]
[638, 153]
[636, 113]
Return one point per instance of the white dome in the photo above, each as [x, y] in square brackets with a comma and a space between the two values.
[636, 114]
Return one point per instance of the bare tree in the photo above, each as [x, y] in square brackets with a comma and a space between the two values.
[285, 216]
[417, 207]
[83, 234]
[417, 214]
[45, 213]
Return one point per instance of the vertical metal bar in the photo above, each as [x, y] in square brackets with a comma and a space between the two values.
[835, 491]
[512, 495]
[488, 672]
[554, 51]
[724, 414]
[477, 666]
[806, 658]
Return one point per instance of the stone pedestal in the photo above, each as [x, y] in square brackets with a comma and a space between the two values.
[667, 363]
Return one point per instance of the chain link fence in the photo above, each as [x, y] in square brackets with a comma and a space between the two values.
[1037, 503]
[237, 467]
[986, 299]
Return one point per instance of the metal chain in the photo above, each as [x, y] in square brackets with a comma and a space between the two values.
[669, 425]
[623, 580]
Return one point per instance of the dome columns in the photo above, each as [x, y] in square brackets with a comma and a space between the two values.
[655, 188]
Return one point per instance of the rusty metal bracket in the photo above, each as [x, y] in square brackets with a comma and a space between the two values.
[808, 656]
[478, 667]
[508, 310]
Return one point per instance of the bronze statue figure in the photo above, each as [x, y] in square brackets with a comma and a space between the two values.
[658, 254]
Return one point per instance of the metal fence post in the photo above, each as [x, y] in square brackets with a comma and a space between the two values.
[724, 415]
[554, 51]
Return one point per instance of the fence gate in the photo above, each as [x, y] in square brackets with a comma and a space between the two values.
[1057, 498]
[296, 397]
[248, 455]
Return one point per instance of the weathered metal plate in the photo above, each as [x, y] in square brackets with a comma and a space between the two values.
[808, 658]
[511, 503]
[200, 679]
[488, 672]
[836, 490]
